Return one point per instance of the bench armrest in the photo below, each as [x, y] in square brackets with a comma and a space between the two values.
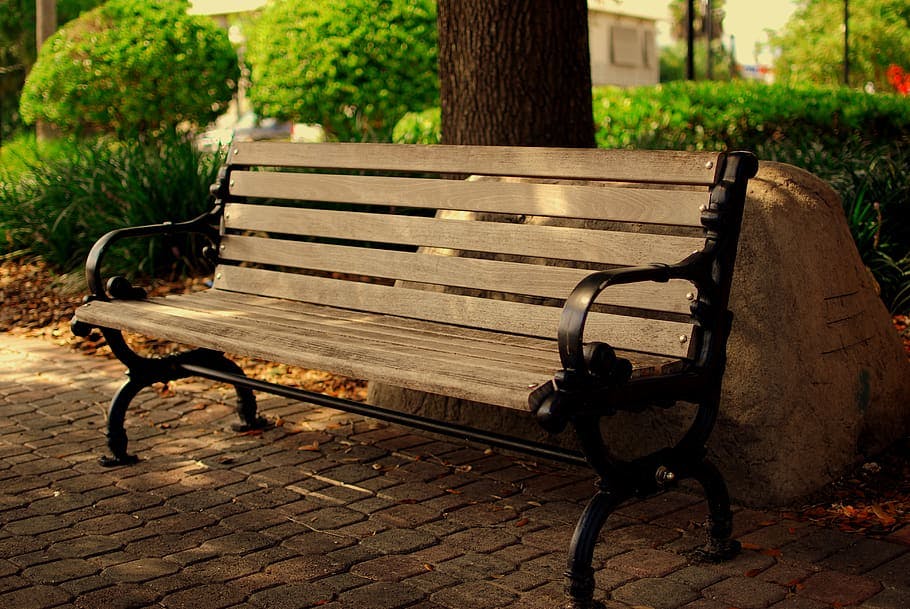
[205, 224]
[570, 334]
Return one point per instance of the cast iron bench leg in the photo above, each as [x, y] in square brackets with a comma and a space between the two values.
[580, 574]
[719, 526]
[144, 372]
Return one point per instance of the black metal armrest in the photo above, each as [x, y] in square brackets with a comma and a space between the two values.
[205, 224]
[575, 311]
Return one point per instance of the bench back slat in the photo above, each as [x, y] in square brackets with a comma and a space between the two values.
[621, 204]
[452, 271]
[646, 335]
[556, 242]
[659, 167]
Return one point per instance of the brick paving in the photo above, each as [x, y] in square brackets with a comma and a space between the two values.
[330, 511]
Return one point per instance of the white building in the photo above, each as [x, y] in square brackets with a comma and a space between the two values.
[623, 46]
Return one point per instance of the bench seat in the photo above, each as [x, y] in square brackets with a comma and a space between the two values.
[469, 363]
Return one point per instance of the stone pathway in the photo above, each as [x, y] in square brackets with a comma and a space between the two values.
[328, 511]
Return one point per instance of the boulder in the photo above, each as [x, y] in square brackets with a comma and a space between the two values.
[816, 375]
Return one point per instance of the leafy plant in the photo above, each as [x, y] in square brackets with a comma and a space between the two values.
[131, 67]
[419, 127]
[354, 66]
[811, 44]
[62, 202]
[17, 51]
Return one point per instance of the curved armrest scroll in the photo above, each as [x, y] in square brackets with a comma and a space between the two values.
[201, 224]
[575, 312]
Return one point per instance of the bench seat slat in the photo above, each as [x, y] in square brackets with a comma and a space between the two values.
[346, 346]
[646, 205]
[646, 335]
[455, 271]
[387, 337]
[605, 247]
[661, 167]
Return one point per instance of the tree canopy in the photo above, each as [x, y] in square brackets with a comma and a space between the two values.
[355, 67]
[811, 45]
[130, 66]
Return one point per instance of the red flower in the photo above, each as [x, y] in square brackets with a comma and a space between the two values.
[899, 79]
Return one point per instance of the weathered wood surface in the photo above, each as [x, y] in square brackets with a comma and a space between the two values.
[452, 271]
[646, 335]
[437, 358]
[593, 201]
[578, 244]
[658, 167]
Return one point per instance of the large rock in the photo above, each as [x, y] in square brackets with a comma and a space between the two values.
[816, 375]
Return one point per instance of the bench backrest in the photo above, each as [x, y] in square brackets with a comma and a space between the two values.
[340, 224]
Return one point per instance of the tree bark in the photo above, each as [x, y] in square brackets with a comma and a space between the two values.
[515, 73]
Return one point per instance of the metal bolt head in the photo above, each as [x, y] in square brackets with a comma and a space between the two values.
[683, 339]
[217, 275]
[709, 165]
[232, 182]
[664, 475]
[236, 151]
[689, 295]
[700, 207]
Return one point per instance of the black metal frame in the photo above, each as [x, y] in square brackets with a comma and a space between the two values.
[594, 382]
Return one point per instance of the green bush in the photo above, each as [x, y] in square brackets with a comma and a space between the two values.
[129, 67]
[419, 128]
[57, 201]
[17, 51]
[353, 66]
[714, 116]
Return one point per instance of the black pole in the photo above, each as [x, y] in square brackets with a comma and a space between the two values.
[709, 34]
[690, 39]
[847, 43]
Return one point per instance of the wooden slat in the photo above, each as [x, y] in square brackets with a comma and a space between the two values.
[607, 247]
[416, 369]
[522, 348]
[646, 335]
[292, 308]
[660, 167]
[492, 275]
[388, 337]
[646, 205]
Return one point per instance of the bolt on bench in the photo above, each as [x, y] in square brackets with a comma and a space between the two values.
[296, 228]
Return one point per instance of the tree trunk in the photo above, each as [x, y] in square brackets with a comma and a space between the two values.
[515, 73]
[45, 26]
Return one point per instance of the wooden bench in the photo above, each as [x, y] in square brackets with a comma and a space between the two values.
[509, 320]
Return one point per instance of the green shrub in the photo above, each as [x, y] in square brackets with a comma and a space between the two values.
[419, 128]
[353, 66]
[58, 202]
[715, 116]
[129, 67]
[17, 51]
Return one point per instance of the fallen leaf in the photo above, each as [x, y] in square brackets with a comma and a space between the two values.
[750, 546]
[312, 447]
[522, 522]
[887, 519]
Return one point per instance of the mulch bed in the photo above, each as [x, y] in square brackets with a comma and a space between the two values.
[873, 499]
